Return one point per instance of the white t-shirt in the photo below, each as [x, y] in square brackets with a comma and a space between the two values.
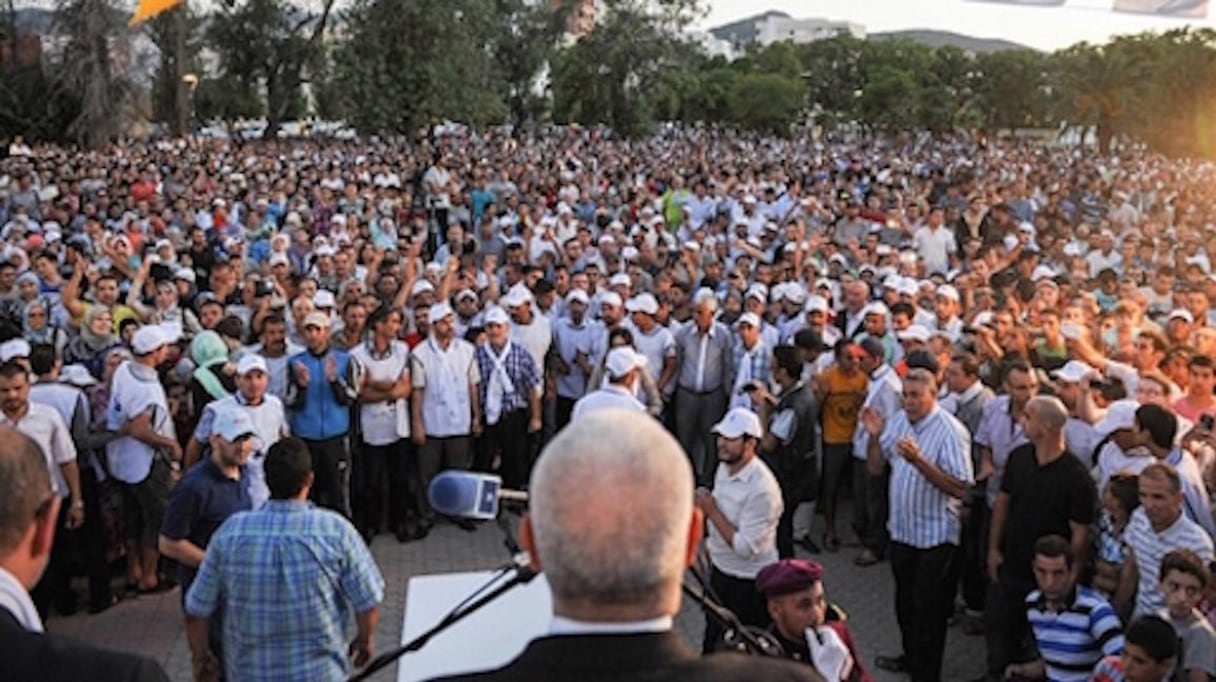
[535, 338]
[446, 377]
[135, 389]
[379, 420]
[657, 346]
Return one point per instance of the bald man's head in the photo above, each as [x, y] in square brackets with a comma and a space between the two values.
[25, 485]
[1046, 415]
[611, 510]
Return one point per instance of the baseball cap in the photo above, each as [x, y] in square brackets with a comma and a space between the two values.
[1073, 371]
[76, 375]
[739, 421]
[643, 303]
[620, 279]
[1120, 416]
[438, 312]
[517, 295]
[916, 332]
[621, 361]
[14, 348]
[317, 320]
[251, 362]
[815, 303]
[948, 292]
[150, 337]
[232, 423]
[577, 295]
[750, 319]
[496, 315]
[324, 298]
[422, 286]
[611, 298]
[1181, 314]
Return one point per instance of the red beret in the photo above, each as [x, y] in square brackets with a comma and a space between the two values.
[787, 576]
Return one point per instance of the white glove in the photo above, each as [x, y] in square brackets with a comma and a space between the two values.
[829, 654]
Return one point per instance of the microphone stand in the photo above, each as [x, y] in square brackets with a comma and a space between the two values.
[522, 575]
[753, 644]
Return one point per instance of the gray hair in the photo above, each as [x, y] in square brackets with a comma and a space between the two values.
[922, 376]
[24, 484]
[611, 510]
[705, 296]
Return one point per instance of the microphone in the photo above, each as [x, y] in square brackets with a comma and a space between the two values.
[468, 495]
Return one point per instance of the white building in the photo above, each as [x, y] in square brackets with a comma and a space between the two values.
[775, 29]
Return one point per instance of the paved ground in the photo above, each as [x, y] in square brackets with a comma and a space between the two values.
[153, 625]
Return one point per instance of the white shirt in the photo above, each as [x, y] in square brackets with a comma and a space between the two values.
[379, 420]
[134, 390]
[657, 346]
[447, 377]
[610, 397]
[569, 626]
[751, 501]
[1150, 547]
[15, 600]
[568, 338]
[935, 247]
[534, 338]
[45, 426]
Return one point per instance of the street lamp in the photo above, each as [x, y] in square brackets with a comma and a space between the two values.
[190, 81]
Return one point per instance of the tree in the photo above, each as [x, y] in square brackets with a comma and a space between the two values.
[1010, 89]
[85, 73]
[174, 32]
[270, 44]
[766, 102]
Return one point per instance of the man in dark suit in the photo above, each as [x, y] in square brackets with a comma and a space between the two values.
[28, 513]
[612, 526]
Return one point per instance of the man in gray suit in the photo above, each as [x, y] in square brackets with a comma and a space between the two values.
[704, 375]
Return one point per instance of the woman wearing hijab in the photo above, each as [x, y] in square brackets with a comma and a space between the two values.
[95, 338]
[36, 326]
[213, 376]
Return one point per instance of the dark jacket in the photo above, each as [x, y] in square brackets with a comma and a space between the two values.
[48, 658]
[653, 657]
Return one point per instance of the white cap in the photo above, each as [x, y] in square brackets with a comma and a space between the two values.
[517, 296]
[815, 304]
[907, 287]
[185, 274]
[1042, 272]
[14, 348]
[76, 375]
[1181, 314]
[496, 315]
[466, 293]
[1121, 415]
[759, 291]
[317, 319]
[422, 286]
[876, 308]
[279, 258]
[324, 298]
[1073, 371]
[150, 337]
[795, 293]
[620, 279]
[643, 303]
[611, 298]
[739, 421]
[232, 422]
[1072, 250]
[622, 360]
[947, 291]
[438, 312]
[251, 362]
[578, 295]
[692, 246]
[750, 319]
[916, 332]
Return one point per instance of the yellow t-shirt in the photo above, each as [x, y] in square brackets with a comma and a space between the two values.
[846, 394]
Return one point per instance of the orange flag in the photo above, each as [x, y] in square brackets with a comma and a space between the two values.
[150, 8]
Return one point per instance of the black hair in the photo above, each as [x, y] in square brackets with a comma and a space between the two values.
[42, 358]
[1160, 423]
[1155, 636]
[1052, 546]
[288, 466]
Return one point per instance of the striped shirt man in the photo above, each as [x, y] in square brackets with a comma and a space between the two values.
[1149, 547]
[922, 515]
[1072, 640]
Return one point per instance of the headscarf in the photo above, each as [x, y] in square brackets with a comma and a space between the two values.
[47, 333]
[88, 348]
[209, 350]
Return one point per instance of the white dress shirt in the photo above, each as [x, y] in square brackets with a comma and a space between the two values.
[610, 397]
[15, 600]
[45, 426]
[751, 501]
[569, 626]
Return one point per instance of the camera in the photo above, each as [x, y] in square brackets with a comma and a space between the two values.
[263, 288]
[1207, 422]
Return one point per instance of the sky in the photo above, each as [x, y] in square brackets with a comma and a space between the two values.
[1046, 28]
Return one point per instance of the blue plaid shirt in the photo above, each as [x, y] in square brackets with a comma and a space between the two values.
[289, 578]
[522, 370]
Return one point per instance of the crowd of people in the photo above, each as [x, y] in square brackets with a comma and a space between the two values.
[1002, 356]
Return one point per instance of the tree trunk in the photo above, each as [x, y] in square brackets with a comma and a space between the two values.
[181, 94]
[1106, 134]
